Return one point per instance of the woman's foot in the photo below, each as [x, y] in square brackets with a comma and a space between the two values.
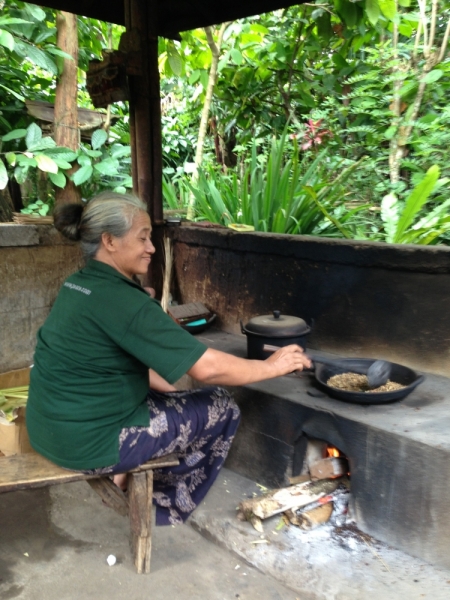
[121, 480]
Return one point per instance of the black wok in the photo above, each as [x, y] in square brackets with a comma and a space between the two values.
[400, 374]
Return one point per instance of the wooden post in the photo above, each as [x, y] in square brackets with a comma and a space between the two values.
[145, 110]
[140, 494]
[141, 17]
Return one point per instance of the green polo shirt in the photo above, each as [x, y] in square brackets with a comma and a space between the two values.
[90, 374]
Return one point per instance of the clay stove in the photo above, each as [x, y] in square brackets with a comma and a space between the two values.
[399, 453]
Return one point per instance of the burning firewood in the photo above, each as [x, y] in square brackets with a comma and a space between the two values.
[332, 507]
[293, 497]
[312, 518]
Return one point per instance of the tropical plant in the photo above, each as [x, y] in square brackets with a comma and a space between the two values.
[282, 193]
[402, 224]
[101, 166]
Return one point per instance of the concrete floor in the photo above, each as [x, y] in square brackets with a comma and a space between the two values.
[54, 543]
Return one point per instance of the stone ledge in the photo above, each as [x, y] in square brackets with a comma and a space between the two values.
[15, 235]
[12, 234]
[404, 257]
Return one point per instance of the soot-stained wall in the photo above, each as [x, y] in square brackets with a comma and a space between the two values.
[362, 298]
[34, 261]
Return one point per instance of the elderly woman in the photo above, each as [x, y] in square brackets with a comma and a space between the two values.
[90, 407]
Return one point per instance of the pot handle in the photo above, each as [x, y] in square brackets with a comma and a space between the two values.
[242, 327]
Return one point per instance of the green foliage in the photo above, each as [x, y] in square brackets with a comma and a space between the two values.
[281, 192]
[332, 64]
[102, 167]
[38, 208]
[399, 217]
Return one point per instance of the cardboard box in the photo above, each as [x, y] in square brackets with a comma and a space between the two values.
[14, 436]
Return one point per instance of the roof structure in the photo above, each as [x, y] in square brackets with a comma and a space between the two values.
[173, 15]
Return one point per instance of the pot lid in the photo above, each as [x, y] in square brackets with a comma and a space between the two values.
[277, 325]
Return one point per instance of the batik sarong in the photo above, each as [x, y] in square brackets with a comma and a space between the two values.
[198, 426]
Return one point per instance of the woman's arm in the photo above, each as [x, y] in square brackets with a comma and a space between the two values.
[158, 383]
[217, 367]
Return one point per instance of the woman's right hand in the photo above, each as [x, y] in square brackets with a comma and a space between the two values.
[220, 368]
[288, 359]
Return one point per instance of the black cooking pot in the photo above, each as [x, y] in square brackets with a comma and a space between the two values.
[275, 330]
[400, 374]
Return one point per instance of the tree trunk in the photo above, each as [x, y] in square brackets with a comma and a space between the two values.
[404, 125]
[6, 206]
[66, 109]
[212, 78]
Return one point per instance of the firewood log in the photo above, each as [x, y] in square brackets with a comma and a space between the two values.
[280, 500]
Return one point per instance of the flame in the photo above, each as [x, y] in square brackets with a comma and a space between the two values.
[332, 451]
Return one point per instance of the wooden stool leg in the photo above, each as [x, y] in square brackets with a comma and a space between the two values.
[140, 493]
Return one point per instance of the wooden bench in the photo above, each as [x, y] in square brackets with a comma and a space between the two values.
[28, 471]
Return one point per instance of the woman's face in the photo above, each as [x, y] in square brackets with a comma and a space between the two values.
[132, 252]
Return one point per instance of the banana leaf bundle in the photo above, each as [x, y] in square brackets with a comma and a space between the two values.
[11, 399]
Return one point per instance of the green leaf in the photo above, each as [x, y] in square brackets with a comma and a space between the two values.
[194, 77]
[44, 210]
[433, 76]
[15, 94]
[415, 201]
[236, 56]
[15, 134]
[84, 160]
[39, 58]
[174, 58]
[33, 136]
[63, 154]
[26, 161]
[20, 174]
[3, 175]
[45, 143]
[6, 39]
[10, 158]
[92, 153]
[339, 60]
[36, 13]
[373, 11]
[204, 79]
[390, 132]
[45, 163]
[82, 175]
[109, 166]
[12, 21]
[58, 179]
[405, 29]
[117, 151]
[62, 164]
[98, 138]
[347, 11]
[389, 215]
[58, 52]
[324, 28]
[388, 8]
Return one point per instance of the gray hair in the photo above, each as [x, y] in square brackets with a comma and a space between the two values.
[109, 212]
